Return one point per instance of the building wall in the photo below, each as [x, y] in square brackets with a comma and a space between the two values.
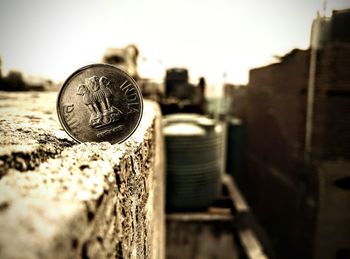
[330, 150]
[273, 114]
[332, 103]
[295, 200]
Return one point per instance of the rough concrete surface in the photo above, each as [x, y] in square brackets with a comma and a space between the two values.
[30, 131]
[59, 199]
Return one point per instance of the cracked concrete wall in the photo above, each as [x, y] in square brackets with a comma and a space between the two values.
[59, 199]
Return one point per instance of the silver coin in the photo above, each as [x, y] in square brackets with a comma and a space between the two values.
[100, 102]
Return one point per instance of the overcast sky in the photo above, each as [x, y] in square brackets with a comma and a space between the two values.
[209, 37]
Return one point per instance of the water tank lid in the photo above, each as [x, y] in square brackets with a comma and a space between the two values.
[184, 129]
[235, 121]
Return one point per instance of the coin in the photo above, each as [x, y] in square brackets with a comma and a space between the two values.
[100, 102]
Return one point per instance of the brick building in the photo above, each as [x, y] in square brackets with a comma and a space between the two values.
[297, 155]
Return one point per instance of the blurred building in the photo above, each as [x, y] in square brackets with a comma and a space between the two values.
[180, 95]
[296, 115]
[124, 58]
[16, 81]
[233, 92]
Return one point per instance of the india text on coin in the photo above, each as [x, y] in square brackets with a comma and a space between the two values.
[100, 102]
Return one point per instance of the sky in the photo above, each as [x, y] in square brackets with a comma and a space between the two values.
[218, 39]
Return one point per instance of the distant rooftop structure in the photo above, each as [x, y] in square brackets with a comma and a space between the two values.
[124, 58]
[340, 26]
[331, 29]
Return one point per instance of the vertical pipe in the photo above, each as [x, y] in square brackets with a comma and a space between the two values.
[310, 104]
[223, 147]
[311, 88]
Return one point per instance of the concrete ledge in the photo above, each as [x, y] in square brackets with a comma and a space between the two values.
[63, 200]
[30, 132]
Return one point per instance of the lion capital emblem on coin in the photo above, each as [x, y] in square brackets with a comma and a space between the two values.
[97, 96]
